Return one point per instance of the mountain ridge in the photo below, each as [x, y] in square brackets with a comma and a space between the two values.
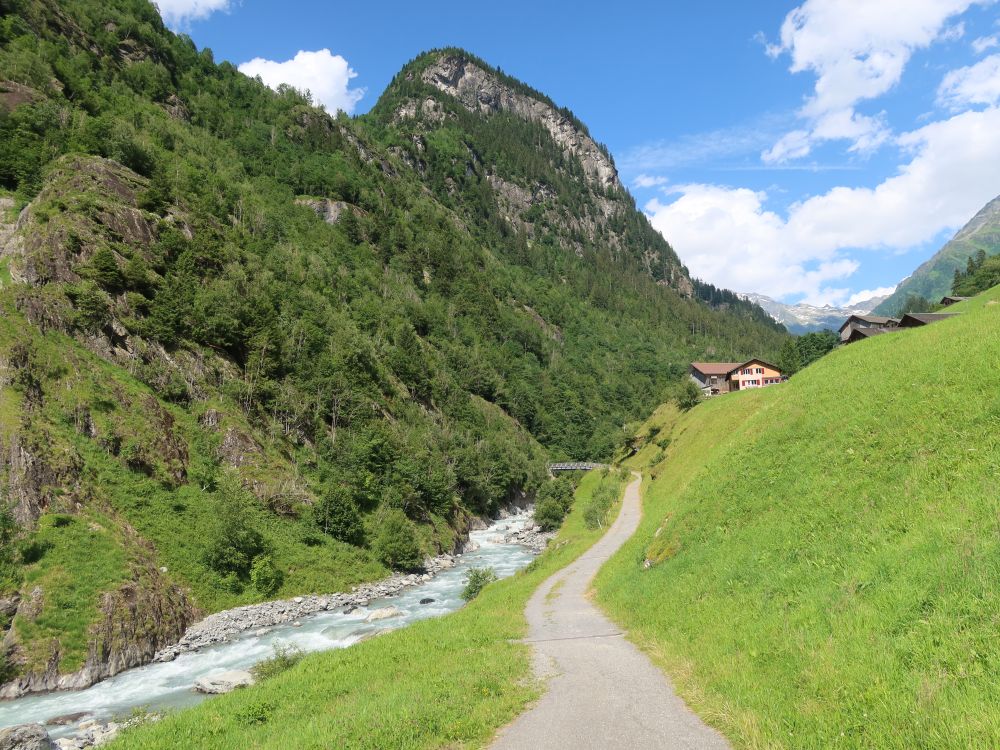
[804, 318]
[933, 278]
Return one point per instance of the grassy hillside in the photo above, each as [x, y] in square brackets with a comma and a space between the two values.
[824, 556]
[443, 683]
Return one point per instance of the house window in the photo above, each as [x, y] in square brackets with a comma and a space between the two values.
[759, 371]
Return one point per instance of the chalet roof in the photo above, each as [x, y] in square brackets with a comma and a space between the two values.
[751, 361]
[872, 320]
[863, 333]
[714, 368]
[912, 320]
[951, 299]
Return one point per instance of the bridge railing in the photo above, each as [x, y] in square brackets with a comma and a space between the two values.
[575, 466]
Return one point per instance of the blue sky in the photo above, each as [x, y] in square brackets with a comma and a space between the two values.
[812, 150]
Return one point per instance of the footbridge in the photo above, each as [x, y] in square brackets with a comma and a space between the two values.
[575, 466]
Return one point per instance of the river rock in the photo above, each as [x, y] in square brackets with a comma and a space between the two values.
[427, 600]
[224, 682]
[384, 614]
[25, 737]
[66, 719]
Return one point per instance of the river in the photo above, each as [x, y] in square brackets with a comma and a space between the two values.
[168, 685]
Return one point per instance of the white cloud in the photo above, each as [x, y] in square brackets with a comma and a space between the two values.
[699, 149]
[727, 235]
[858, 50]
[866, 294]
[649, 181]
[975, 84]
[983, 43]
[326, 76]
[953, 33]
[176, 13]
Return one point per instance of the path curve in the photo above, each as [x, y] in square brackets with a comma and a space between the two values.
[602, 691]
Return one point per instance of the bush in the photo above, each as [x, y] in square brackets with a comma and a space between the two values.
[265, 575]
[255, 712]
[549, 513]
[337, 515]
[104, 270]
[595, 512]
[688, 395]
[285, 657]
[396, 542]
[479, 578]
[233, 543]
[552, 503]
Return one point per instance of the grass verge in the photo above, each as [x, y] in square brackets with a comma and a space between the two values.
[819, 563]
[448, 682]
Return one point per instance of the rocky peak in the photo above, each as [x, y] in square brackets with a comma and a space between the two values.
[987, 217]
[480, 90]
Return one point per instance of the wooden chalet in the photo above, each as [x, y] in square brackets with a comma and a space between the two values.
[915, 320]
[723, 377]
[951, 300]
[859, 327]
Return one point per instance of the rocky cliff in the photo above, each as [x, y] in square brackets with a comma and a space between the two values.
[481, 91]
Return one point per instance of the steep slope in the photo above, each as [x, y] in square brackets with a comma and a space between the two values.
[933, 278]
[802, 318]
[249, 349]
[817, 565]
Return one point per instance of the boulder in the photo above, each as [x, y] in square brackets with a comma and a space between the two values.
[224, 682]
[383, 614]
[66, 719]
[427, 600]
[25, 737]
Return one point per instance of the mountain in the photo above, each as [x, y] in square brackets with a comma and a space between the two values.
[933, 279]
[249, 349]
[802, 318]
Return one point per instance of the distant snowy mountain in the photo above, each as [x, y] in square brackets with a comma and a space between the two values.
[803, 318]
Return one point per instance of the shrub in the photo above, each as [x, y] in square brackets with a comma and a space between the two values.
[104, 270]
[552, 503]
[265, 575]
[479, 578]
[233, 543]
[687, 396]
[396, 542]
[284, 658]
[595, 512]
[337, 515]
[255, 712]
[92, 310]
[549, 513]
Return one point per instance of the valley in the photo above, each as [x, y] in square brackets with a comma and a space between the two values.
[409, 426]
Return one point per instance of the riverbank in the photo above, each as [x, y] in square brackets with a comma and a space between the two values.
[221, 627]
[444, 681]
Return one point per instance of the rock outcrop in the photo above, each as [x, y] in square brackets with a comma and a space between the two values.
[138, 619]
[480, 90]
[328, 210]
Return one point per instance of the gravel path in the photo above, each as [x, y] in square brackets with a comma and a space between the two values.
[602, 691]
